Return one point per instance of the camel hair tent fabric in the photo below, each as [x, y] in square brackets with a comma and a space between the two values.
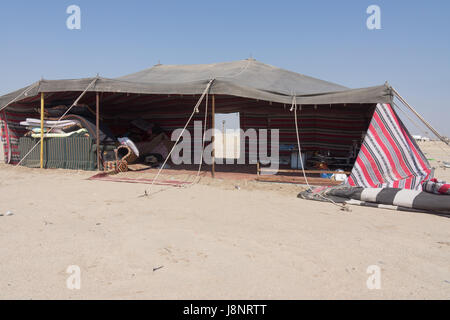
[255, 80]
[245, 78]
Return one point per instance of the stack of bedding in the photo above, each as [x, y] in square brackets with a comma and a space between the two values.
[54, 129]
[67, 145]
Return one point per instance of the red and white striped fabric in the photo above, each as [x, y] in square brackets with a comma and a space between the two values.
[11, 131]
[389, 157]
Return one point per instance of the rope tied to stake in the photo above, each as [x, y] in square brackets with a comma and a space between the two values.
[196, 110]
[294, 109]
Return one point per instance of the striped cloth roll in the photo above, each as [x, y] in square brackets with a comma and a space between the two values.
[391, 198]
[436, 186]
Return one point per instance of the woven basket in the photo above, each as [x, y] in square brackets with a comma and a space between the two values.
[115, 167]
[125, 153]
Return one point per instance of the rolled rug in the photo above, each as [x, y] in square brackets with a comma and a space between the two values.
[436, 186]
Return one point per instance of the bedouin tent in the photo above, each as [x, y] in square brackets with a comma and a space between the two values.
[388, 155]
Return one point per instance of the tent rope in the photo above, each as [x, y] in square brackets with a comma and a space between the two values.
[203, 144]
[28, 89]
[422, 130]
[180, 135]
[406, 104]
[195, 181]
[65, 113]
[6, 119]
[294, 109]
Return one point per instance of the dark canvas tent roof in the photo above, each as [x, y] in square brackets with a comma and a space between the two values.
[245, 73]
[388, 155]
[245, 78]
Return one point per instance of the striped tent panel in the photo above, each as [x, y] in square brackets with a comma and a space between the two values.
[319, 131]
[324, 128]
[11, 131]
[327, 131]
[389, 157]
[256, 122]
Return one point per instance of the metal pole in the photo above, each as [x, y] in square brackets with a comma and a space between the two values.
[224, 140]
[213, 138]
[97, 129]
[419, 116]
[42, 129]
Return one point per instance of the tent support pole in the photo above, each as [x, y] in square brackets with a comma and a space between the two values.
[97, 128]
[419, 116]
[42, 119]
[213, 138]
[42, 129]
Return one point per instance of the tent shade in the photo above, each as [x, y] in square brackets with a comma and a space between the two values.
[245, 78]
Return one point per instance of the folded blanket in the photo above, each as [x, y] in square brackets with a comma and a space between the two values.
[46, 130]
[78, 133]
[48, 123]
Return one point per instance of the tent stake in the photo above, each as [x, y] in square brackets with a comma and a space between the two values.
[42, 130]
[97, 129]
[213, 138]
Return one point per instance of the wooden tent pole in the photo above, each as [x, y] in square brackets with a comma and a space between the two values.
[42, 129]
[97, 128]
[419, 116]
[213, 138]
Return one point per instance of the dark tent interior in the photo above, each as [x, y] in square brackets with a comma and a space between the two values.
[143, 109]
[329, 134]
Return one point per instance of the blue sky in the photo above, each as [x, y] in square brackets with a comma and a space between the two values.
[324, 39]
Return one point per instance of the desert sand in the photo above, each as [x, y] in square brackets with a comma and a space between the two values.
[210, 241]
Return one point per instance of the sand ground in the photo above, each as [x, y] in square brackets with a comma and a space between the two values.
[210, 241]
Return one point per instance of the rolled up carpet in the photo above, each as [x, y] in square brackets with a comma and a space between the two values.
[405, 198]
[436, 186]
